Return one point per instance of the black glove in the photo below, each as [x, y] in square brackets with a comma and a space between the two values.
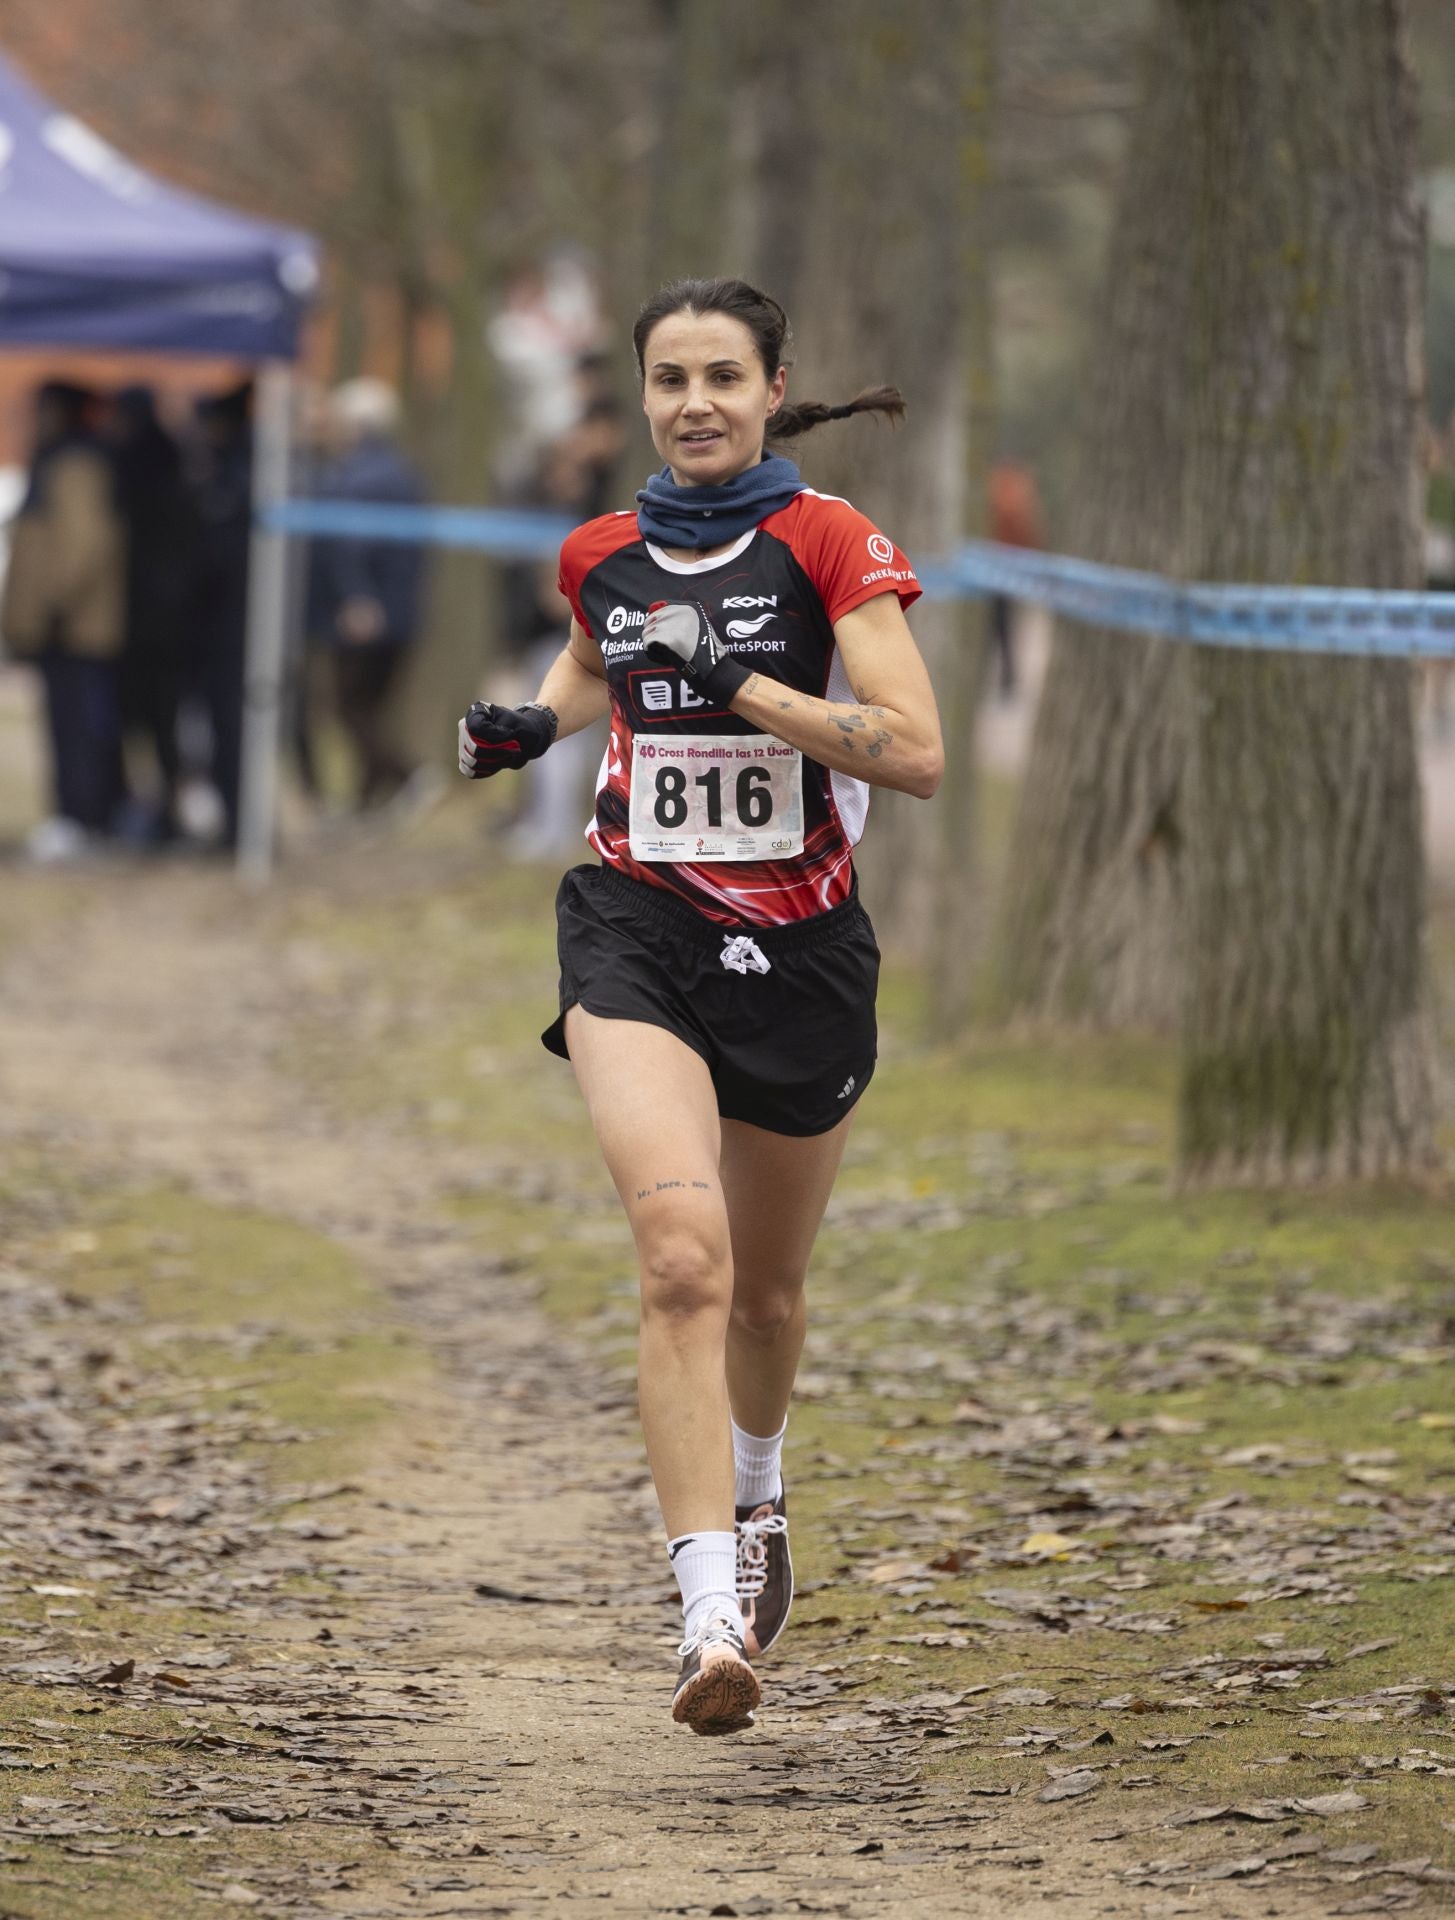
[678, 633]
[496, 737]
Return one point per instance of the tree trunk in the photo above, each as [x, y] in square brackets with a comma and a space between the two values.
[783, 46]
[690, 175]
[875, 302]
[1307, 1051]
[1088, 929]
[462, 130]
[957, 928]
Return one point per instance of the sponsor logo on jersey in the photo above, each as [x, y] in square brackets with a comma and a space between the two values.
[621, 619]
[658, 693]
[668, 696]
[880, 549]
[745, 629]
[886, 573]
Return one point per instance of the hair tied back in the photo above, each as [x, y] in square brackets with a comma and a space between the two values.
[766, 321]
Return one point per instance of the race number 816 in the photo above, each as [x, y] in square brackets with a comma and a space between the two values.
[752, 796]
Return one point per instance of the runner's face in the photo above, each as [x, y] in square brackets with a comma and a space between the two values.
[706, 396]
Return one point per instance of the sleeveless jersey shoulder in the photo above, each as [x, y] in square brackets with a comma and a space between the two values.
[843, 553]
[586, 547]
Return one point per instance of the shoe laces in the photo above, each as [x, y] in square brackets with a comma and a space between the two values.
[753, 1537]
[720, 1629]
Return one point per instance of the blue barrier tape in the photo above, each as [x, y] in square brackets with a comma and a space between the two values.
[1352, 620]
[1348, 620]
[513, 533]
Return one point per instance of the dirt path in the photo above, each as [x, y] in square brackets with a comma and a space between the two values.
[138, 1032]
[442, 1690]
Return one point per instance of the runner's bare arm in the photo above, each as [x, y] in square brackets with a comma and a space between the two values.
[575, 687]
[890, 736]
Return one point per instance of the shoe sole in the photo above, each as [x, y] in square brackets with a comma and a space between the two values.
[720, 1699]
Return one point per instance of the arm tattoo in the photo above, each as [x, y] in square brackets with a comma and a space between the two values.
[855, 720]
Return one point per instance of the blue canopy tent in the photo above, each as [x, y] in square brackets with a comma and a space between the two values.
[97, 255]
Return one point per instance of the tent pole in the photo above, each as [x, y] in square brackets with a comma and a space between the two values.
[266, 626]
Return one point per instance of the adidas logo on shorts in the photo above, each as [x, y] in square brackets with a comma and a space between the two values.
[742, 955]
[847, 1088]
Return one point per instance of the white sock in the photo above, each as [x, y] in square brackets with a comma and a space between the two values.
[757, 1466]
[706, 1566]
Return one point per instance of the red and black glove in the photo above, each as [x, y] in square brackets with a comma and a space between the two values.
[492, 738]
[678, 633]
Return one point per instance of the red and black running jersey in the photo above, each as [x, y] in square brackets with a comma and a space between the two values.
[773, 597]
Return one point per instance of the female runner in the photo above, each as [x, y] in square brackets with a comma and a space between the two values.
[718, 973]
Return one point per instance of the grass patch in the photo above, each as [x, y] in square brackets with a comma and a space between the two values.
[244, 1309]
[211, 1365]
[125, 1854]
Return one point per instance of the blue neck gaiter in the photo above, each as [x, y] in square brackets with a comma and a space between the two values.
[674, 516]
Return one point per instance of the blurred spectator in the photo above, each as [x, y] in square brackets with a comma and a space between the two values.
[365, 594]
[561, 449]
[309, 654]
[222, 497]
[537, 621]
[161, 551]
[550, 319]
[64, 608]
[596, 444]
[1015, 520]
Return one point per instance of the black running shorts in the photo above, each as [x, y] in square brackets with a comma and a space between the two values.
[783, 1016]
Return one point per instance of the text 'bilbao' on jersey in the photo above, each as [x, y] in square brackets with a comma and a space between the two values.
[736, 832]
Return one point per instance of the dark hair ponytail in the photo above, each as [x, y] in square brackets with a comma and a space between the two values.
[790, 421]
[761, 314]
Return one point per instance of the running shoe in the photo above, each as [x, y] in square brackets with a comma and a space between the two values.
[765, 1573]
[716, 1690]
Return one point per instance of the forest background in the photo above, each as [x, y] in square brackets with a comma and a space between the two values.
[941, 196]
[1122, 1506]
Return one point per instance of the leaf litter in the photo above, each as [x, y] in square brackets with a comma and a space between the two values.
[1074, 1527]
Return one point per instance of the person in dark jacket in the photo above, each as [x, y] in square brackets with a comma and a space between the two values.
[365, 595]
[63, 609]
[222, 501]
[160, 531]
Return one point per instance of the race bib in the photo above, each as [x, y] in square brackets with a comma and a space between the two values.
[716, 796]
